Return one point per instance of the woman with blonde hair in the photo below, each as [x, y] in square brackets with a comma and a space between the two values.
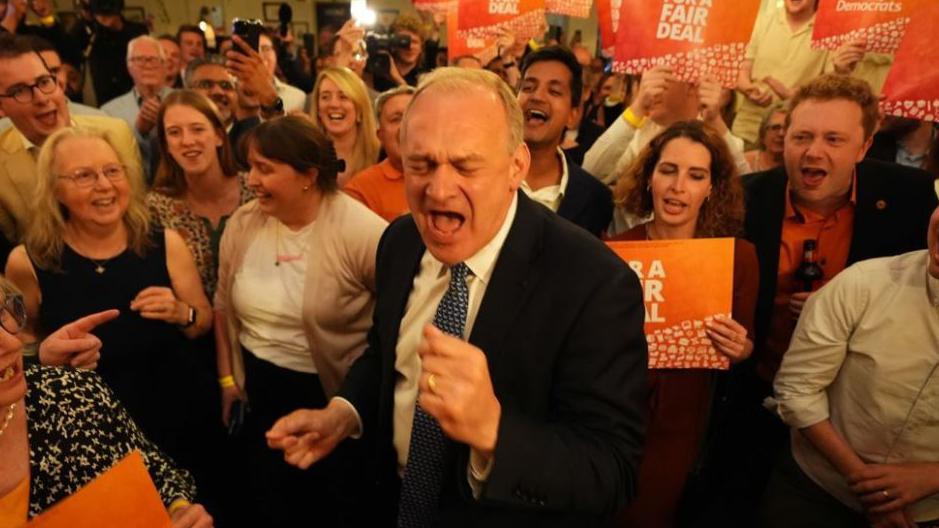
[344, 112]
[90, 248]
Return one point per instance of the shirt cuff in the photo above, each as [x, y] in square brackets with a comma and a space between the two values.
[804, 410]
[478, 471]
[358, 419]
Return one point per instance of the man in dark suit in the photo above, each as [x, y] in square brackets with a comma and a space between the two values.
[549, 94]
[853, 210]
[536, 418]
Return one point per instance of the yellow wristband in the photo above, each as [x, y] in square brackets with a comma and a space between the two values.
[177, 504]
[226, 381]
[631, 118]
[47, 21]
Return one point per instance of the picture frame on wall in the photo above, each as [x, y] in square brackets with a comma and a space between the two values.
[271, 11]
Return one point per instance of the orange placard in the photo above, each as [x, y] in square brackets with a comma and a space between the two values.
[912, 86]
[697, 38]
[685, 283]
[123, 496]
[880, 23]
[435, 6]
[608, 18]
[485, 47]
[482, 18]
[571, 8]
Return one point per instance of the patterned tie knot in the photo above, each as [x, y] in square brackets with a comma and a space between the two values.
[458, 273]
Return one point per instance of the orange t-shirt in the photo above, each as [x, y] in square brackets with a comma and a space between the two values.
[833, 242]
[14, 506]
[381, 188]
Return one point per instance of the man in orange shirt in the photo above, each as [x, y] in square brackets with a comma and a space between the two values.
[853, 210]
[381, 186]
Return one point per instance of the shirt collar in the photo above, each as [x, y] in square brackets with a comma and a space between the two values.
[932, 286]
[27, 144]
[562, 186]
[483, 263]
[389, 171]
[792, 213]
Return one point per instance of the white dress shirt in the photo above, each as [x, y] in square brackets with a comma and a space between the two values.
[865, 354]
[550, 196]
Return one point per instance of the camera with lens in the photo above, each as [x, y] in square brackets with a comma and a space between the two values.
[380, 47]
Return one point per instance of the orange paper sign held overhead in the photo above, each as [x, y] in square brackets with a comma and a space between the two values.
[483, 18]
[435, 6]
[697, 38]
[484, 48]
[685, 283]
[571, 8]
[880, 24]
[123, 496]
[912, 86]
[608, 12]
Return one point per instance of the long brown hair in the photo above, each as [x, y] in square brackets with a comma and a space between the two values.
[721, 215]
[170, 177]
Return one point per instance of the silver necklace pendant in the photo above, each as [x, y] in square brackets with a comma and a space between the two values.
[99, 269]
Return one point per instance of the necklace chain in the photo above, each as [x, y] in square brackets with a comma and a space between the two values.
[8, 419]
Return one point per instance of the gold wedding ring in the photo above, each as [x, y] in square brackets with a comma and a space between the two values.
[432, 383]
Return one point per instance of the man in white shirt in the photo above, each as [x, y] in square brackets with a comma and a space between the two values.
[859, 386]
[521, 405]
[292, 97]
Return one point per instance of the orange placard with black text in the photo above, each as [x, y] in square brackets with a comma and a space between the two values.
[685, 283]
[481, 18]
[912, 85]
[122, 496]
[697, 38]
[880, 24]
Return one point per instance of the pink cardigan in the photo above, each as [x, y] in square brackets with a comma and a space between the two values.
[339, 289]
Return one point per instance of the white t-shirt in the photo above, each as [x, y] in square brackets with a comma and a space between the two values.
[267, 296]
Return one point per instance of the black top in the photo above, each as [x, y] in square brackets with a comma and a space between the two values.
[135, 352]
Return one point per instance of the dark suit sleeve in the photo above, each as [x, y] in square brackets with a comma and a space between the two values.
[584, 457]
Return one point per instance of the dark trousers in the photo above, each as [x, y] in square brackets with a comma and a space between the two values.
[794, 499]
[281, 495]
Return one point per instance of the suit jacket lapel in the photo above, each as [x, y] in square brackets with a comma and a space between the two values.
[511, 282]
[403, 267]
[575, 196]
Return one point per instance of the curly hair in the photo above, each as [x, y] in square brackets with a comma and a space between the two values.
[721, 215]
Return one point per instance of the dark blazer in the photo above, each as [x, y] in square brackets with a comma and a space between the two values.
[893, 207]
[587, 202]
[587, 135]
[561, 324]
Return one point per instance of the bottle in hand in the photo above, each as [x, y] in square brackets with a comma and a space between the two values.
[809, 273]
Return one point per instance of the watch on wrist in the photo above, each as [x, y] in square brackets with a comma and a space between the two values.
[276, 107]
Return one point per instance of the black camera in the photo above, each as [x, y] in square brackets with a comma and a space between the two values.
[380, 47]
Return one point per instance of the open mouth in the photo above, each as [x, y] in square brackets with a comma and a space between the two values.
[192, 154]
[50, 118]
[104, 202]
[446, 223]
[536, 117]
[673, 206]
[813, 177]
[336, 116]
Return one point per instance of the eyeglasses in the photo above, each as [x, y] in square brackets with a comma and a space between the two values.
[87, 177]
[208, 84]
[13, 313]
[23, 93]
[141, 60]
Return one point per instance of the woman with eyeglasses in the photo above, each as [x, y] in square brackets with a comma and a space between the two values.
[769, 155]
[39, 403]
[90, 247]
[296, 290]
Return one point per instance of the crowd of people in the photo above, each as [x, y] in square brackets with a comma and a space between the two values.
[370, 288]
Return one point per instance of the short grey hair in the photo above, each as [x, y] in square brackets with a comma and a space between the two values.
[195, 64]
[388, 95]
[462, 80]
[145, 38]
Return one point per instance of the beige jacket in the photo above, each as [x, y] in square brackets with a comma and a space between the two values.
[339, 289]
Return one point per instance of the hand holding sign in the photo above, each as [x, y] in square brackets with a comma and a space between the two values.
[73, 344]
[653, 84]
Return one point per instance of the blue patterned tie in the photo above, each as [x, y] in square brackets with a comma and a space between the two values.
[423, 474]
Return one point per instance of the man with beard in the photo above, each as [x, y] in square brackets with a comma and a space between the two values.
[33, 99]
[550, 94]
